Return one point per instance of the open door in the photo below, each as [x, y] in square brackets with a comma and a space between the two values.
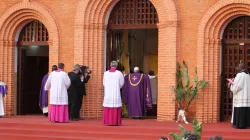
[114, 46]
[20, 77]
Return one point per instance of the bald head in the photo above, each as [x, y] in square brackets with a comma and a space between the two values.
[136, 69]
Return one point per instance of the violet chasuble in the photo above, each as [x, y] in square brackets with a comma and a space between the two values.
[137, 94]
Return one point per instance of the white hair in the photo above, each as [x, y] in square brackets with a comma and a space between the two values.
[113, 64]
[136, 69]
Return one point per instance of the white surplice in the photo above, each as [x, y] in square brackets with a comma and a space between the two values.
[1, 105]
[58, 83]
[112, 82]
[241, 90]
[154, 88]
[1, 99]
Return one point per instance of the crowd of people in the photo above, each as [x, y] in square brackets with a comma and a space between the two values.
[133, 89]
[66, 93]
[67, 90]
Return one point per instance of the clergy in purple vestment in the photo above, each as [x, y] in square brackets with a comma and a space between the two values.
[137, 94]
[43, 103]
[3, 91]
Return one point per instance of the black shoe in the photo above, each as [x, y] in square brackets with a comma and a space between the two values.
[74, 119]
[45, 114]
[137, 118]
[80, 118]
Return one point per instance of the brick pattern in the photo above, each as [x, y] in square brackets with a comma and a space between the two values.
[208, 53]
[89, 21]
[10, 23]
[90, 27]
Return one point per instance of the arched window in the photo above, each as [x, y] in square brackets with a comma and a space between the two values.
[33, 33]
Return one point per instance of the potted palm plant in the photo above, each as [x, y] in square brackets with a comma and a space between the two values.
[197, 130]
[185, 92]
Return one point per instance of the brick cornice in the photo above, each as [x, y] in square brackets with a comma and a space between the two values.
[94, 26]
[169, 23]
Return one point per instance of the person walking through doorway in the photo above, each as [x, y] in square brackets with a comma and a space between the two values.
[43, 103]
[58, 82]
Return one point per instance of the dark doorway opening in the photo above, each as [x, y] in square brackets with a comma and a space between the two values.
[32, 68]
[32, 64]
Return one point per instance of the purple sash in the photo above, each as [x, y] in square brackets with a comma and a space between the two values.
[3, 89]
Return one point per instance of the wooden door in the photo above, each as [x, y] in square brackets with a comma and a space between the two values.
[114, 46]
[247, 56]
[20, 78]
[236, 48]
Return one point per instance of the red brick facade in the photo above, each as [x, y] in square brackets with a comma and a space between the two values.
[187, 30]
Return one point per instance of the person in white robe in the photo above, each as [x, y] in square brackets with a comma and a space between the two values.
[241, 98]
[154, 90]
[113, 81]
[153, 84]
[231, 93]
[58, 83]
[3, 92]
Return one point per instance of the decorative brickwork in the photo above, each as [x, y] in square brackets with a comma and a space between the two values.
[90, 27]
[210, 32]
[79, 36]
[10, 26]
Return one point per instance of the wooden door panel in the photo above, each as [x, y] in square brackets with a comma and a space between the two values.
[114, 46]
[236, 37]
[20, 77]
[247, 56]
[232, 55]
[133, 14]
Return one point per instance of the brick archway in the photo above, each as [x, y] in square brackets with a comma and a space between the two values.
[90, 27]
[10, 25]
[210, 31]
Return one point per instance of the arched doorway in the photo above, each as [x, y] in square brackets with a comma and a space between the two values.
[32, 65]
[235, 48]
[89, 41]
[132, 38]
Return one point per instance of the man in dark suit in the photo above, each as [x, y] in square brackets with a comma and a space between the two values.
[86, 78]
[74, 92]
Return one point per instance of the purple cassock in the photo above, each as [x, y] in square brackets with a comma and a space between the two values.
[3, 89]
[136, 93]
[43, 94]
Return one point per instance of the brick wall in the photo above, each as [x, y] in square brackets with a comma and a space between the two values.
[188, 30]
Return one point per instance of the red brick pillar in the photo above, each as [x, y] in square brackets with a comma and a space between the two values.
[167, 58]
[7, 74]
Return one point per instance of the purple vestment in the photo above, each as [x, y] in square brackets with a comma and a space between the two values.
[136, 93]
[3, 89]
[44, 94]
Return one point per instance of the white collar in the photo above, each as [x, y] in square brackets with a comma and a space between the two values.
[151, 77]
[2, 83]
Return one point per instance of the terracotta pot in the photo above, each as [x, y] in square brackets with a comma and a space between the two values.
[189, 116]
